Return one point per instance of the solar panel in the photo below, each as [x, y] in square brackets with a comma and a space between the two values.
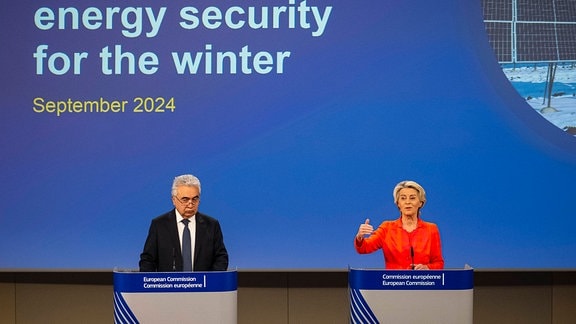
[536, 42]
[498, 10]
[526, 31]
[566, 10]
[567, 42]
[535, 10]
[501, 40]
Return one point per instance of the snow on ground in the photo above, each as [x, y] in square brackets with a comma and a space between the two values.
[565, 73]
[561, 111]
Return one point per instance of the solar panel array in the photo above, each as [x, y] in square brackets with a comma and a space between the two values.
[526, 31]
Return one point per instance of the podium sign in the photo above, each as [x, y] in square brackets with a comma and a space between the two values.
[175, 297]
[411, 296]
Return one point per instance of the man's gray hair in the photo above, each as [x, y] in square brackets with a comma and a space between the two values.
[185, 180]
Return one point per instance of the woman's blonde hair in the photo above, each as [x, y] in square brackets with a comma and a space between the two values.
[410, 184]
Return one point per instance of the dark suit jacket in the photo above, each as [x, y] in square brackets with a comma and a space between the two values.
[162, 248]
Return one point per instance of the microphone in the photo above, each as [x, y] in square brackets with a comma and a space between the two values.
[412, 255]
[173, 259]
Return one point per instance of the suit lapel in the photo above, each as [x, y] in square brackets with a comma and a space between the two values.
[200, 235]
[173, 231]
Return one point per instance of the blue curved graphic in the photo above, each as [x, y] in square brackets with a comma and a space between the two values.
[360, 311]
[122, 312]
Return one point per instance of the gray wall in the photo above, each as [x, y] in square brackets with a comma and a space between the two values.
[284, 297]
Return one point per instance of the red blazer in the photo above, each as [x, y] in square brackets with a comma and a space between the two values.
[395, 243]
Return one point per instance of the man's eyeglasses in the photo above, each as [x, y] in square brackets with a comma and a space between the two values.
[187, 200]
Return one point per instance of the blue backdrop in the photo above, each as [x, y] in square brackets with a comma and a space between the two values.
[293, 155]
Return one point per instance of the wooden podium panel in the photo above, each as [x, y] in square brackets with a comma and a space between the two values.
[175, 297]
[411, 296]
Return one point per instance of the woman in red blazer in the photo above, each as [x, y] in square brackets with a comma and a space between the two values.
[407, 242]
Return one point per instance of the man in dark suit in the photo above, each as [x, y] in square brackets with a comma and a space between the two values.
[182, 231]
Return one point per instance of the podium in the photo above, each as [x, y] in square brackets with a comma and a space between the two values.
[175, 297]
[411, 296]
